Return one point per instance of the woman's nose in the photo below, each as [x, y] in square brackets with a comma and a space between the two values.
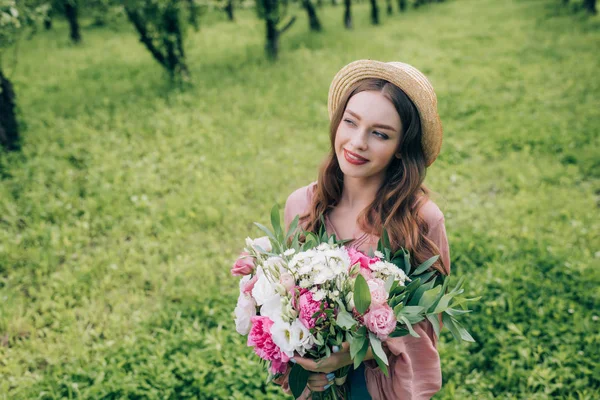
[359, 140]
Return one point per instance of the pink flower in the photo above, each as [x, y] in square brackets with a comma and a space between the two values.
[308, 308]
[380, 320]
[244, 265]
[379, 295]
[288, 281]
[357, 256]
[260, 337]
[248, 285]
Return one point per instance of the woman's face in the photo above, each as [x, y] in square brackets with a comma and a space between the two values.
[368, 135]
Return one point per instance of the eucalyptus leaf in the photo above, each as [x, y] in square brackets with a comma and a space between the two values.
[435, 322]
[377, 348]
[408, 326]
[426, 264]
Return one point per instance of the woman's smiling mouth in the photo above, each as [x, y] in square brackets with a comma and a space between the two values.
[354, 158]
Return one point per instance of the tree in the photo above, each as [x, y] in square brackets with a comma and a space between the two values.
[389, 7]
[374, 12]
[71, 10]
[590, 6]
[159, 25]
[14, 20]
[313, 21]
[402, 5]
[273, 11]
[348, 14]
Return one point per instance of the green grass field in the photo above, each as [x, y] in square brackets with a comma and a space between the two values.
[120, 218]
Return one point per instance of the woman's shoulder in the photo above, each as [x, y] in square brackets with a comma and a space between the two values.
[431, 213]
[299, 200]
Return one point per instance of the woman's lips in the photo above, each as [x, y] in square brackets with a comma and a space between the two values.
[354, 158]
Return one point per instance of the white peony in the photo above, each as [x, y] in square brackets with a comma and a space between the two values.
[244, 311]
[272, 308]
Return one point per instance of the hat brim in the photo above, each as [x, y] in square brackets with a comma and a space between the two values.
[406, 77]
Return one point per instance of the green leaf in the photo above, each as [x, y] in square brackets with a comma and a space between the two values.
[293, 227]
[430, 296]
[298, 379]
[423, 267]
[356, 344]
[344, 319]
[268, 232]
[276, 221]
[389, 283]
[408, 326]
[377, 348]
[435, 322]
[362, 295]
[360, 356]
[378, 353]
[455, 312]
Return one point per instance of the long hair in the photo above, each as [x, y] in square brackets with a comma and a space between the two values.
[402, 192]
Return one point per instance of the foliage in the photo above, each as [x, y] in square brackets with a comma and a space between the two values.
[129, 197]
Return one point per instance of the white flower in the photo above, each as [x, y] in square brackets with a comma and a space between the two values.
[379, 254]
[272, 308]
[301, 337]
[319, 295]
[281, 332]
[263, 289]
[262, 242]
[289, 252]
[244, 311]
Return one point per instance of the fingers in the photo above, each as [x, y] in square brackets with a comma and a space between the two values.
[307, 364]
[306, 394]
[320, 382]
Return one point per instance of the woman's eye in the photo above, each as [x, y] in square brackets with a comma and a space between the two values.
[349, 121]
[381, 135]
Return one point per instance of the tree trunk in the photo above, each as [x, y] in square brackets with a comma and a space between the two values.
[402, 5]
[319, 3]
[194, 11]
[71, 14]
[9, 130]
[348, 14]
[313, 21]
[174, 44]
[229, 9]
[272, 45]
[48, 21]
[389, 7]
[374, 12]
[590, 6]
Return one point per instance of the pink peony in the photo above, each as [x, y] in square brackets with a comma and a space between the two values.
[260, 337]
[244, 265]
[308, 307]
[248, 285]
[380, 320]
[379, 295]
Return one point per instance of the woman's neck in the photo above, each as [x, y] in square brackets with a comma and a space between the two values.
[358, 193]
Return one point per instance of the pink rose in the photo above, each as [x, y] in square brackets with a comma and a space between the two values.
[379, 295]
[244, 265]
[262, 341]
[380, 320]
[248, 285]
[288, 281]
[308, 308]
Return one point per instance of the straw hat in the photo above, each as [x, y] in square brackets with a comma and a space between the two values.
[406, 77]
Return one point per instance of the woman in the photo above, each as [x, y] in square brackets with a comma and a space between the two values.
[385, 132]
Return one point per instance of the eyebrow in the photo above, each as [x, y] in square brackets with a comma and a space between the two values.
[382, 126]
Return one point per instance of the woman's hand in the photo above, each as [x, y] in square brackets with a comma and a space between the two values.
[317, 383]
[332, 363]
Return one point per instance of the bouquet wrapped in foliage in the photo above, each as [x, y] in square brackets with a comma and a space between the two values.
[308, 293]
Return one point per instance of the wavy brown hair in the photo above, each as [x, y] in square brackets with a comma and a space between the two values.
[402, 193]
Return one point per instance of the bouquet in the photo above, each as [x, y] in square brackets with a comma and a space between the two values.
[306, 293]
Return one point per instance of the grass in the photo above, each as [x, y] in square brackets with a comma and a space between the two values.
[121, 216]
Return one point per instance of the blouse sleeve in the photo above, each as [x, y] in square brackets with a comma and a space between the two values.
[414, 363]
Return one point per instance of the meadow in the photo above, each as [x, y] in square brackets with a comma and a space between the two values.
[131, 197]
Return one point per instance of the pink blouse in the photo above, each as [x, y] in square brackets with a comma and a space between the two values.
[414, 363]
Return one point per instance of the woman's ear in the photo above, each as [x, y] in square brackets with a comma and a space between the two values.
[397, 155]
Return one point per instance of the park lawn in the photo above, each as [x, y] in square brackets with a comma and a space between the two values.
[131, 198]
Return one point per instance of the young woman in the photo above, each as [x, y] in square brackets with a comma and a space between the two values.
[385, 131]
